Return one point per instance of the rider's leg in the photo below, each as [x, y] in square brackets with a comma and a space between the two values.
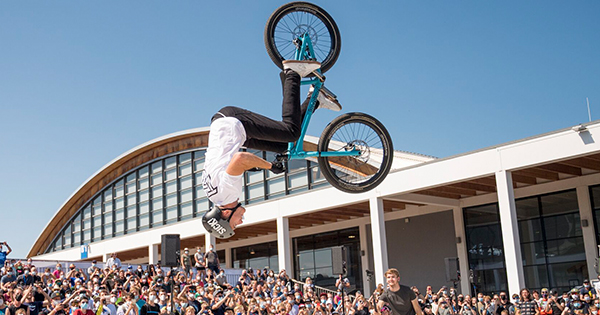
[264, 128]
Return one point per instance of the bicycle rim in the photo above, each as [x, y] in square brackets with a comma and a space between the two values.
[356, 173]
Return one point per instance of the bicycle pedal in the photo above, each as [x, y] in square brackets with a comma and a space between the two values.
[327, 91]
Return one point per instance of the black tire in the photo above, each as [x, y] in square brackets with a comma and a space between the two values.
[362, 173]
[294, 19]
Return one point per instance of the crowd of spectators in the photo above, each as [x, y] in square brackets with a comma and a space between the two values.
[200, 287]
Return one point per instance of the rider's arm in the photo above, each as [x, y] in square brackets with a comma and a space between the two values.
[243, 161]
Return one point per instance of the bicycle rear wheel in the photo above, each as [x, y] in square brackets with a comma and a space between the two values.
[291, 21]
[356, 174]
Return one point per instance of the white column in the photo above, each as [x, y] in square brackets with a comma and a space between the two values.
[228, 258]
[380, 256]
[284, 252]
[589, 237]
[105, 257]
[510, 231]
[461, 250]
[153, 254]
[364, 259]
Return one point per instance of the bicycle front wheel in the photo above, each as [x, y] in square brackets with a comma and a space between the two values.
[356, 174]
[292, 21]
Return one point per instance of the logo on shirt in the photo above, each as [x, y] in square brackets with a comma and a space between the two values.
[208, 187]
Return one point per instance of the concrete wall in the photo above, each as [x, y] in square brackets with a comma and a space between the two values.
[418, 248]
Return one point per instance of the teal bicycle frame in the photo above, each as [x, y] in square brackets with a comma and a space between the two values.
[296, 149]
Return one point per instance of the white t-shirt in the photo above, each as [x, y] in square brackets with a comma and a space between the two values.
[226, 137]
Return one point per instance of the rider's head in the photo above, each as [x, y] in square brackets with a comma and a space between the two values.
[222, 220]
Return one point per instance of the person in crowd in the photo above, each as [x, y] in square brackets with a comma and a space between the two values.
[400, 299]
[199, 262]
[113, 262]
[4, 252]
[211, 260]
[526, 305]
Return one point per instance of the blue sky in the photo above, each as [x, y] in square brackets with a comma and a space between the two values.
[81, 82]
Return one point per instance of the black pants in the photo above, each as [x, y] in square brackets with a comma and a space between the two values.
[264, 133]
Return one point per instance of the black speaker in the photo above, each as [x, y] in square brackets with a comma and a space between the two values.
[169, 250]
[452, 269]
[339, 259]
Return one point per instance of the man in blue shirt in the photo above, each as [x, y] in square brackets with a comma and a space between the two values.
[3, 253]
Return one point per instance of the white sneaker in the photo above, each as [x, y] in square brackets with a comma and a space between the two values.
[326, 100]
[301, 67]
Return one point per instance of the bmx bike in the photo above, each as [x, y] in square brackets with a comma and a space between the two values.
[354, 151]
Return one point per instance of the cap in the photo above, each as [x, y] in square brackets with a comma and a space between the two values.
[586, 281]
[55, 295]
[323, 293]
[93, 261]
[186, 249]
[574, 290]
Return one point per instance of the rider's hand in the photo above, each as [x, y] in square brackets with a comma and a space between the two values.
[255, 169]
[277, 167]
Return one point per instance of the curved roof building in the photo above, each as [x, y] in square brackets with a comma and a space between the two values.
[521, 214]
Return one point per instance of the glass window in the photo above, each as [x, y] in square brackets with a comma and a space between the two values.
[144, 220]
[87, 224]
[170, 162]
[87, 236]
[485, 247]
[276, 186]
[157, 179]
[157, 204]
[132, 224]
[144, 195]
[120, 214]
[595, 199]
[87, 212]
[119, 227]
[297, 180]
[108, 230]
[185, 158]
[108, 207]
[186, 210]
[131, 212]
[144, 183]
[185, 169]
[144, 207]
[157, 191]
[131, 199]
[171, 214]
[76, 238]
[313, 257]
[77, 223]
[200, 193]
[157, 167]
[130, 177]
[119, 203]
[185, 182]
[170, 174]
[171, 200]
[198, 165]
[97, 234]
[108, 194]
[97, 221]
[119, 189]
[131, 188]
[202, 205]
[253, 177]
[143, 172]
[186, 195]
[256, 190]
[550, 232]
[171, 187]
[199, 154]
[157, 218]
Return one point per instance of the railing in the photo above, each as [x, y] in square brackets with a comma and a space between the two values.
[318, 290]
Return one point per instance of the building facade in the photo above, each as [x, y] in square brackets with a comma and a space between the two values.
[525, 213]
